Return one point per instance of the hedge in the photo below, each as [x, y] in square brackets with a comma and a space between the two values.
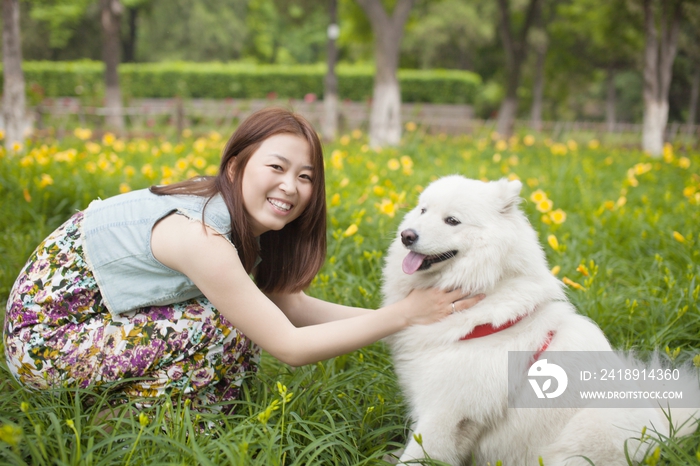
[237, 80]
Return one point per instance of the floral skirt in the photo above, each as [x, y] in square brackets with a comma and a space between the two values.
[58, 333]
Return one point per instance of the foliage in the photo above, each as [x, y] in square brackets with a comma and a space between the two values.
[242, 80]
[620, 228]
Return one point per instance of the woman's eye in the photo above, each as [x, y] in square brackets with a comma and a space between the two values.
[452, 221]
[307, 177]
[276, 167]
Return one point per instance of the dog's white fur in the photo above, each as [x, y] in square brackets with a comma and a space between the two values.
[457, 390]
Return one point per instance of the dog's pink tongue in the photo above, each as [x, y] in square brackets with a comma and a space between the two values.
[412, 262]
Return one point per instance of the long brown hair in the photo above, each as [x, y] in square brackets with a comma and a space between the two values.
[292, 256]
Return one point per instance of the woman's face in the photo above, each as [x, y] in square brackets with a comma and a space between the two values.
[277, 182]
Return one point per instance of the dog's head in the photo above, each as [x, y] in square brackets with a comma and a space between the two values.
[465, 233]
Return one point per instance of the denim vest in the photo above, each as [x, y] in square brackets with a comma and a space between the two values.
[116, 236]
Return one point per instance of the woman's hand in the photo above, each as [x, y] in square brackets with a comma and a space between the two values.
[429, 305]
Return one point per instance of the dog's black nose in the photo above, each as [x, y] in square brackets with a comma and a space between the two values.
[408, 237]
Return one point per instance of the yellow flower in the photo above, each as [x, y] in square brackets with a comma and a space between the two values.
[556, 269]
[379, 190]
[582, 269]
[610, 205]
[45, 181]
[553, 242]
[143, 420]
[573, 284]
[93, 147]
[642, 168]
[572, 145]
[406, 162]
[356, 133]
[546, 220]
[688, 191]
[558, 149]
[538, 196]
[10, 434]
[82, 133]
[27, 196]
[199, 162]
[345, 140]
[558, 216]
[186, 133]
[668, 153]
[211, 170]
[26, 161]
[501, 145]
[200, 145]
[411, 126]
[529, 140]
[108, 139]
[344, 182]
[496, 157]
[215, 136]
[532, 182]
[17, 147]
[181, 164]
[2, 135]
[545, 205]
[351, 230]
[678, 237]
[387, 207]
[621, 201]
[124, 188]
[683, 162]
[593, 144]
[148, 171]
[335, 200]
[393, 164]
[166, 147]
[337, 159]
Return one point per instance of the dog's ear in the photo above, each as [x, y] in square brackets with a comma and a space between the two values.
[510, 194]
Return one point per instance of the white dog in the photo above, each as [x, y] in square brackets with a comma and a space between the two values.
[471, 235]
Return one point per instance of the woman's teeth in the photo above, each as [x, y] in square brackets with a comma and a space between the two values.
[279, 204]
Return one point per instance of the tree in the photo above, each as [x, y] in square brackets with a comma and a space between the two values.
[385, 116]
[111, 16]
[593, 36]
[14, 100]
[659, 53]
[515, 45]
[329, 125]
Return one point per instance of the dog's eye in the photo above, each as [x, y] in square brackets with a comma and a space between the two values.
[422, 211]
[452, 221]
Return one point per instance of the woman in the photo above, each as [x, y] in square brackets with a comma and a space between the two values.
[157, 284]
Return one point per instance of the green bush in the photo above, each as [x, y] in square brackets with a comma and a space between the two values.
[240, 81]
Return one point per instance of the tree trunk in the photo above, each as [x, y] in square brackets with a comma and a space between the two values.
[111, 20]
[694, 91]
[515, 53]
[385, 116]
[538, 89]
[14, 99]
[610, 101]
[130, 42]
[659, 54]
[329, 126]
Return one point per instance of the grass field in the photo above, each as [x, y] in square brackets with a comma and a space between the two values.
[619, 228]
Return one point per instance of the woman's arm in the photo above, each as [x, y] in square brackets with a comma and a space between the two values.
[213, 265]
[303, 310]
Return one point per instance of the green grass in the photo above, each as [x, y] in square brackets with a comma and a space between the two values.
[622, 209]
